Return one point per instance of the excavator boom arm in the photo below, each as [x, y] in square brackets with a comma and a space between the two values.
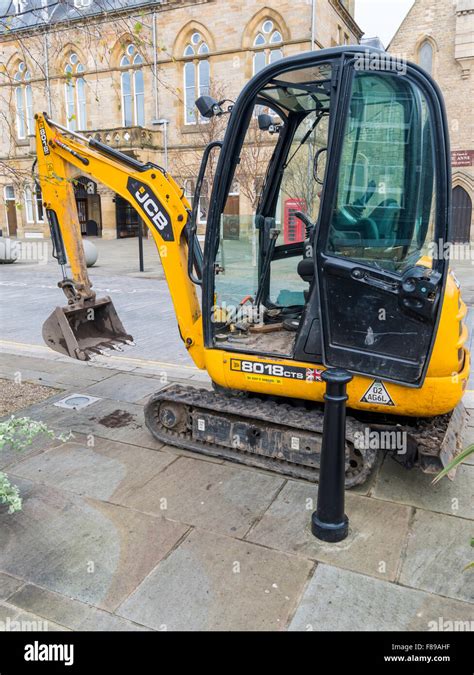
[148, 188]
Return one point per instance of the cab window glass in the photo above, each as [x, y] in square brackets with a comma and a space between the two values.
[387, 154]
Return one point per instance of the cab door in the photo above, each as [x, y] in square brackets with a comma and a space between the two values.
[384, 216]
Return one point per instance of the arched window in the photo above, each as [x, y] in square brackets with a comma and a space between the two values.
[75, 94]
[267, 46]
[34, 210]
[24, 101]
[133, 88]
[197, 76]
[425, 56]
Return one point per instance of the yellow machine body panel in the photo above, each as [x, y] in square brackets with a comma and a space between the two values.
[443, 388]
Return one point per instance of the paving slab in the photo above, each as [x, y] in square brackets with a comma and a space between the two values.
[371, 547]
[113, 420]
[214, 583]
[116, 420]
[30, 621]
[9, 457]
[179, 452]
[72, 614]
[468, 439]
[89, 550]
[47, 412]
[201, 378]
[212, 496]
[8, 585]
[127, 387]
[107, 471]
[166, 368]
[13, 364]
[468, 399]
[67, 371]
[12, 619]
[341, 600]
[56, 380]
[110, 420]
[438, 550]
[414, 487]
[7, 614]
[188, 381]
[366, 488]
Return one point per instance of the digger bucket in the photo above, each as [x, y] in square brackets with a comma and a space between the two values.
[84, 332]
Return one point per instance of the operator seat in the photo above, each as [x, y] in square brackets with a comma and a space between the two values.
[306, 269]
[367, 230]
[361, 232]
[385, 216]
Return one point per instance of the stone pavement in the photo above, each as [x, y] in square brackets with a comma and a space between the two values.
[119, 532]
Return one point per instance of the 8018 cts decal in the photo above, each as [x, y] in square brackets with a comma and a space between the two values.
[149, 203]
[44, 139]
[276, 370]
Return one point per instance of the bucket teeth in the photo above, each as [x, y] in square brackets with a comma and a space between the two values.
[106, 349]
[103, 351]
[97, 351]
[93, 352]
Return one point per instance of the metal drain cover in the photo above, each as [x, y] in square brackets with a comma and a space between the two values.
[76, 401]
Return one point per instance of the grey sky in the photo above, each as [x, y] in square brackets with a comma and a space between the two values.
[381, 17]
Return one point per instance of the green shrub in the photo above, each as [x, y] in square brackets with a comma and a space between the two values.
[17, 433]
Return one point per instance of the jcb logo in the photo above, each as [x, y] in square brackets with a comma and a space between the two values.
[149, 206]
[157, 216]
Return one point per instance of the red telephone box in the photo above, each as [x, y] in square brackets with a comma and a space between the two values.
[293, 228]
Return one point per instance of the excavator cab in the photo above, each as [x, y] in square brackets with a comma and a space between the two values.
[341, 171]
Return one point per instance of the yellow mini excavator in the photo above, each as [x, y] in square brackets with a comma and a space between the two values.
[338, 261]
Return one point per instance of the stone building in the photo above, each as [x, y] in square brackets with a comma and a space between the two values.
[127, 72]
[439, 35]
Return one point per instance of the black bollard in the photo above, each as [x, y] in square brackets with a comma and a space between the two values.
[329, 522]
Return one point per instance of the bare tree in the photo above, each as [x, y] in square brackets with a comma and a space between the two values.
[299, 180]
[40, 46]
[254, 156]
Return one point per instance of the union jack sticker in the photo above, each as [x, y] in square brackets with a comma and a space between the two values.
[314, 375]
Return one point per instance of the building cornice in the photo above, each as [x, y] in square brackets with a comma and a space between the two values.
[464, 7]
[347, 18]
[162, 60]
[146, 9]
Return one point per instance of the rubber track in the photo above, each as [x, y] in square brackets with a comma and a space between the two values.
[248, 409]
